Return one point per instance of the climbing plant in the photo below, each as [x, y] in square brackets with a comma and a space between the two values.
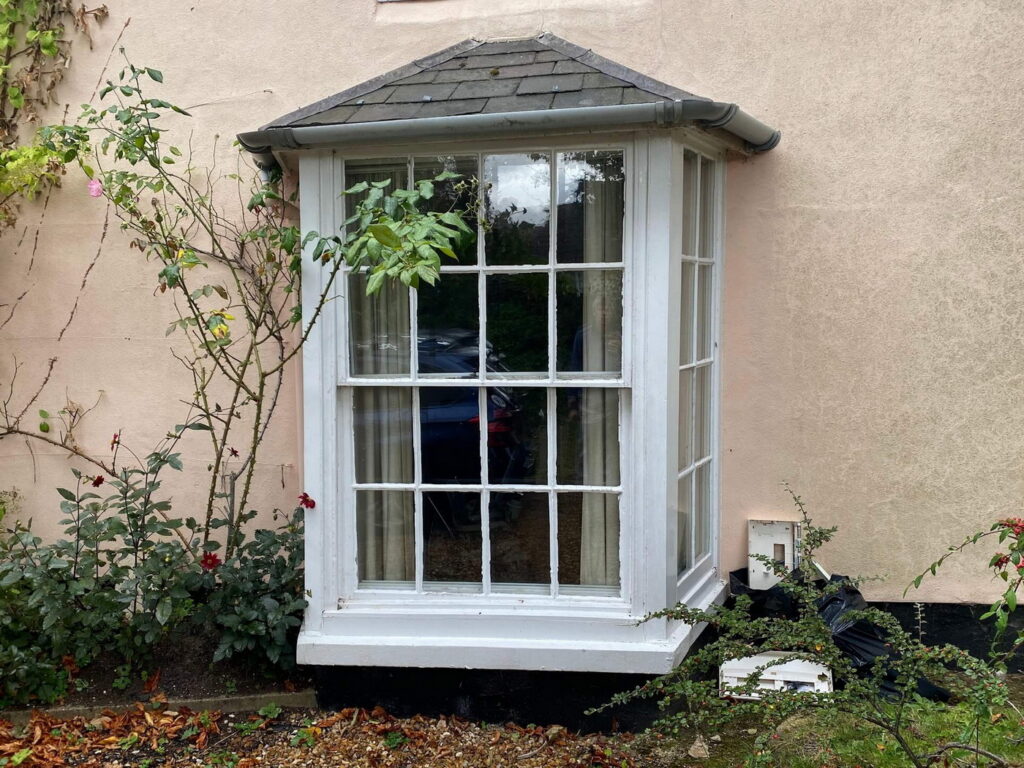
[35, 52]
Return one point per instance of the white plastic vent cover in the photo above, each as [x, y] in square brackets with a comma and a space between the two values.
[775, 539]
[793, 675]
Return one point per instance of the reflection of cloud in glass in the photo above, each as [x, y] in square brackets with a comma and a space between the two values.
[519, 184]
[575, 168]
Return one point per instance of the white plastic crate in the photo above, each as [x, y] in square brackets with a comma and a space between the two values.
[793, 675]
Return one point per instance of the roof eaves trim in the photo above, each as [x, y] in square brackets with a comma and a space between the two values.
[373, 84]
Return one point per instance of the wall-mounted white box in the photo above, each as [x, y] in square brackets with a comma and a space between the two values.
[792, 675]
[775, 539]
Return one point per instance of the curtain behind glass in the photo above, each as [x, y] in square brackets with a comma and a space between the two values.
[380, 337]
[602, 233]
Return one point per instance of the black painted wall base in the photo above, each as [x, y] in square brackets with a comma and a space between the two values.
[543, 698]
[548, 698]
[956, 623]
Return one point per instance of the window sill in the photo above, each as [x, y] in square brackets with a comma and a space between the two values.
[488, 636]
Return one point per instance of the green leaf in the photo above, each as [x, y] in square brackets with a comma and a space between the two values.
[155, 74]
[64, 492]
[1011, 599]
[44, 414]
[163, 610]
[384, 235]
[375, 282]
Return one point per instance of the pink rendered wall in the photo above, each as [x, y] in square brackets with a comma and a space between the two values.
[872, 349]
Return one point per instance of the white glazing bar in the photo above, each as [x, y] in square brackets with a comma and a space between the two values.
[697, 329]
[485, 531]
[417, 470]
[552, 499]
[498, 487]
[552, 259]
[572, 266]
[502, 381]
[698, 364]
[485, 512]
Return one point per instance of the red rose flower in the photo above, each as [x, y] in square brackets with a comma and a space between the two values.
[306, 501]
[209, 561]
[97, 481]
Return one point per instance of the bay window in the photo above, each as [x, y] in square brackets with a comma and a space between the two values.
[516, 466]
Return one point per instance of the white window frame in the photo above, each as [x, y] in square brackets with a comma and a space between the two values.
[345, 625]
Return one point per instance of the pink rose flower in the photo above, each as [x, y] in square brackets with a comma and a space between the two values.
[95, 188]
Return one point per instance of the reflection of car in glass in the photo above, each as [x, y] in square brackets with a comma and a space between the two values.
[450, 430]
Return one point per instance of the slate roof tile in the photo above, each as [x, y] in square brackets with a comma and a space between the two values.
[519, 103]
[588, 97]
[374, 112]
[454, 106]
[525, 70]
[425, 92]
[484, 89]
[550, 83]
[499, 60]
[568, 66]
[544, 72]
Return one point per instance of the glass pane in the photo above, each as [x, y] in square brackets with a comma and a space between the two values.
[454, 194]
[452, 542]
[386, 538]
[393, 169]
[690, 202]
[588, 539]
[517, 323]
[590, 206]
[702, 415]
[517, 435]
[448, 314]
[520, 541]
[589, 319]
[707, 208]
[702, 521]
[517, 208]
[450, 434]
[383, 434]
[684, 515]
[378, 328]
[686, 313]
[588, 436]
[685, 418]
[704, 350]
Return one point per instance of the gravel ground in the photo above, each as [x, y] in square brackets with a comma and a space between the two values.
[151, 736]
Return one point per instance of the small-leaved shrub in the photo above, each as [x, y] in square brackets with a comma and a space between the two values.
[882, 696]
[126, 573]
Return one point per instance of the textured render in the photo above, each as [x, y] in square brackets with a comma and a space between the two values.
[872, 348]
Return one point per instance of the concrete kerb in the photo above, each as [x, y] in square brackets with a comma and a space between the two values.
[299, 700]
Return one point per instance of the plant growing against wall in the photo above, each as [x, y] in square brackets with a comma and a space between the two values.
[34, 56]
[232, 273]
[128, 571]
[1006, 564]
[883, 695]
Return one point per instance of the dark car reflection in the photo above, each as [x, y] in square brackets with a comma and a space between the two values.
[450, 426]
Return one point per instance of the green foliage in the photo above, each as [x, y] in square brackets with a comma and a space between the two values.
[34, 55]
[24, 172]
[124, 576]
[882, 698]
[254, 600]
[1008, 566]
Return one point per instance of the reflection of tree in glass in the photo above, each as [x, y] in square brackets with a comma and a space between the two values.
[518, 208]
[590, 206]
[458, 194]
[517, 320]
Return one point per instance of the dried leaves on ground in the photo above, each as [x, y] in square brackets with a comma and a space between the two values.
[152, 736]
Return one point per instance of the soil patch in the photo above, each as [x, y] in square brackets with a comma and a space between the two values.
[185, 669]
